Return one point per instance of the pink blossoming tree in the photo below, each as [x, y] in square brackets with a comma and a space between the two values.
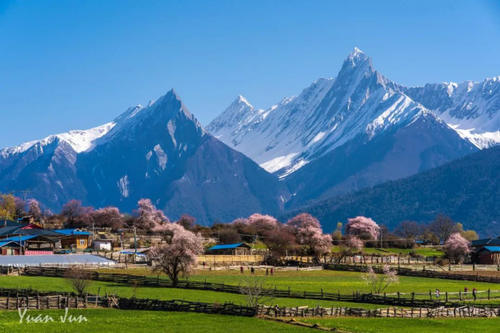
[308, 232]
[178, 255]
[34, 209]
[148, 216]
[107, 217]
[363, 227]
[456, 247]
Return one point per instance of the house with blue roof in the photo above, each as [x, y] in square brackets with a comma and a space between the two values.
[74, 238]
[235, 249]
[488, 255]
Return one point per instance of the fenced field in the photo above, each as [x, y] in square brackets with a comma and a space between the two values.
[491, 278]
[413, 299]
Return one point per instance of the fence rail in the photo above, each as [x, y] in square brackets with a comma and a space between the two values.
[416, 273]
[400, 300]
[12, 299]
[463, 311]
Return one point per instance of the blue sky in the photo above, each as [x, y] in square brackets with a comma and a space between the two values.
[77, 64]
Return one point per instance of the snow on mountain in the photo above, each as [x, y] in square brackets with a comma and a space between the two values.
[79, 140]
[159, 152]
[471, 108]
[324, 116]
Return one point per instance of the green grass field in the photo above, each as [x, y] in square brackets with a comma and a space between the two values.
[345, 282]
[60, 284]
[397, 325]
[329, 281]
[107, 320]
[100, 320]
[422, 251]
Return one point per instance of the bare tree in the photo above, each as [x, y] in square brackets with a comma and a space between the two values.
[443, 227]
[253, 287]
[380, 282]
[409, 229]
[79, 279]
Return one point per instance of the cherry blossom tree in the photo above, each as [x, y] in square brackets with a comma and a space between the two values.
[148, 216]
[456, 247]
[34, 209]
[76, 215]
[308, 232]
[350, 246]
[20, 205]
[178, 255]
[363, 227]
[354, 243]
[107, 217]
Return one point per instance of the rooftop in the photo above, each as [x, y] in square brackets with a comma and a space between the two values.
[227, 246]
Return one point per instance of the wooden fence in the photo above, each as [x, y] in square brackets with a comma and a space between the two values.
[185, 306]
[417, 273]
[304, 311]
[12, 299]
[412, 300]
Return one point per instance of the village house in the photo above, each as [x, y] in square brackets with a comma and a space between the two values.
[488, 255]
[102, 244]
[486, 251]
[74, 238]
[234, 249]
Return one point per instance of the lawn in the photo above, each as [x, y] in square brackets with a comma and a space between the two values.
[60, 284]
[397, 325]
[107, 320]
[345, 282]
[328, 280]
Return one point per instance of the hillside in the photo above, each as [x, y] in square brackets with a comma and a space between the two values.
[467, 190]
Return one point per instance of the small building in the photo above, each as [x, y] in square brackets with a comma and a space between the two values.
[488, 255]
[102, 244]
[9, 248]
[480, 243]
[32, 244]
[235, 249]
[74, 238]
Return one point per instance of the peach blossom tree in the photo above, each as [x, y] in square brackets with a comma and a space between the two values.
[456, 247]
[177, 256]
[308, 233]
[362, 227]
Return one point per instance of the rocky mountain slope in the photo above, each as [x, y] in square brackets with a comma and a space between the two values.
[159, 152]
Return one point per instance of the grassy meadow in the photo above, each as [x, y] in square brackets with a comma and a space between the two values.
[329, 281]
[397, 325]
[148, 321]
[108, 320]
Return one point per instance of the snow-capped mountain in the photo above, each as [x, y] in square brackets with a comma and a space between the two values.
[471, 108]
[342, 134]
[159, 152]
[326, 115]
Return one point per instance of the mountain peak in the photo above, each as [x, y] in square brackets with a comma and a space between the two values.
[242, 100]
[357, 58]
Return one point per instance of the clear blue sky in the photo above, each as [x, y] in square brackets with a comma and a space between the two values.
[77, 64]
